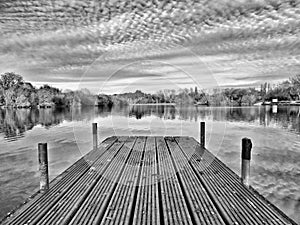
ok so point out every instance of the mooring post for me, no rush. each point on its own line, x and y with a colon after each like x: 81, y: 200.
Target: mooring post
x: 202, y: 134
x: 246, y: 157
x: 95, y: 136
x: 43, y: 167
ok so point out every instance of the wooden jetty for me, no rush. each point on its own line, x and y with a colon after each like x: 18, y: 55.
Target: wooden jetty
x: 148, y: 180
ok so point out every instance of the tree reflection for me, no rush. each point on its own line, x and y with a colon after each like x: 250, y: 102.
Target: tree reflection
x: 283, y: 117
x: 15, y: 122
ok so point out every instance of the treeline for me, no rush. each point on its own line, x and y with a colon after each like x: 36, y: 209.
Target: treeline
x: 287, y: 90
x: 16, y: 93
x: 216, y: 97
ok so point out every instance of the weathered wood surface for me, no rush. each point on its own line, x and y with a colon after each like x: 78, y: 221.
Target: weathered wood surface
x: 148, y: 180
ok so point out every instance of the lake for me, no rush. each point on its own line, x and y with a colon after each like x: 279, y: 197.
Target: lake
x: 275, y: 133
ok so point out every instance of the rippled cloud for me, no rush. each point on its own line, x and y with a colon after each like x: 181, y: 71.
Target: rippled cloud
x: 212, y: 42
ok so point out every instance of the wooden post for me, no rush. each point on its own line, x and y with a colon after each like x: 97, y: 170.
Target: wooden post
x: 246, y: 157
x: 95, y: 136
x: 43, y: 167
x: 202, y: 134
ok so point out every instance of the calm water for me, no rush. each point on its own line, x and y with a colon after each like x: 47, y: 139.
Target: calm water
x: 275, y: 168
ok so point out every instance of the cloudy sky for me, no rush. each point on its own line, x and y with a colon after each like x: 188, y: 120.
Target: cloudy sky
x: 117, y: 45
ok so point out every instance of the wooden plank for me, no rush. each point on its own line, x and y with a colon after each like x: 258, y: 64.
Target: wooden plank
x: 92, y: 209
x: 242, y: 205
x: 202, y: 209
x: 174, y: 208
x: 147, y: 203
x: 122, y: 203
x: 203, y: 163
x: 58, y: 213
x: 59, y: 186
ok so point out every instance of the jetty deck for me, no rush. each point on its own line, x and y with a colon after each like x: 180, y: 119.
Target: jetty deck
x: 148, y: 180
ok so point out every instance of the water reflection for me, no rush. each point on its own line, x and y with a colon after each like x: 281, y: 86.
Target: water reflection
x: 160, y: 111
x: 281, y: 117
x: 15, y: 123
